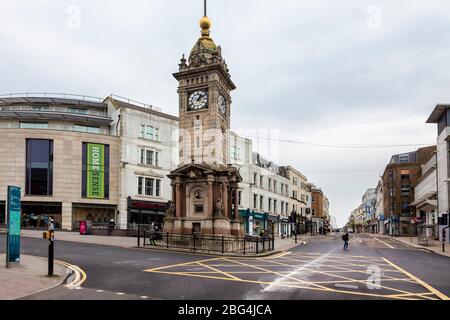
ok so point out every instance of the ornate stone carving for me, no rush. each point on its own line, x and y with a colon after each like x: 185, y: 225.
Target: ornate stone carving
x: 171, y: 209
x: 220, y: 211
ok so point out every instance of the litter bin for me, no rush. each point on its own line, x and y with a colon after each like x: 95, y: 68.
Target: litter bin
x: 83, y: 227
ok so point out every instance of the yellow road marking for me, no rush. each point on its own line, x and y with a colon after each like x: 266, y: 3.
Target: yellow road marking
x: 386, y: 244
x: 182, y: 264
x: 423, y: 283
x: 217, y: 271
x: 80, y: 275
x: 353, y: 280
x: 276, y: 256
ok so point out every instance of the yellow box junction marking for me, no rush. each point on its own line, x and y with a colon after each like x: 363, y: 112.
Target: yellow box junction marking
x: 286, y: 268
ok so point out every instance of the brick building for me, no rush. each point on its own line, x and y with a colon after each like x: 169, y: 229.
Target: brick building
x: 399, y: 177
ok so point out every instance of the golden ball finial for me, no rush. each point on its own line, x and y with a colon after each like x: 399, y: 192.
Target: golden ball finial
x: 205, y: 23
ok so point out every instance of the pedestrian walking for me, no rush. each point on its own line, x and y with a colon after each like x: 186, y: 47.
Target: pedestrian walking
x: 111, y: 226
x: 345, y: 238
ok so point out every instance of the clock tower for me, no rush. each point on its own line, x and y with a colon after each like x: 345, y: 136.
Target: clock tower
x: 204, y: 86
x: 205, y: 186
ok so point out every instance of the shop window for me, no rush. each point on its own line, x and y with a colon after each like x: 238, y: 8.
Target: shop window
x: 39, y: 167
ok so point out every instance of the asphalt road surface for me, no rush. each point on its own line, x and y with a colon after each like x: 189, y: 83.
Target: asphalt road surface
x: 375, y: 267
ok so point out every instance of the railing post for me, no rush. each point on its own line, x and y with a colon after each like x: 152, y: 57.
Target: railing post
x: 244, y: 244
x: 223, y: 244
x: 257, y: 242
x: 167, y: 240
x: 143, y: 244
x: 273, y: 243
x: 193, y: 238
x: 139, y: 236
x: 264, y: 244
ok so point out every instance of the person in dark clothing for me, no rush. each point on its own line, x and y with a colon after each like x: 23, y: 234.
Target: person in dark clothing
x: 345, y: 238
x: 111, y: 227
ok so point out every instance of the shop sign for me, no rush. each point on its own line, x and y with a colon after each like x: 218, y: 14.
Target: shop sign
x: 148, y: 205
x: 260, y: 216
x: 13, y: 220
x: 95, y: 171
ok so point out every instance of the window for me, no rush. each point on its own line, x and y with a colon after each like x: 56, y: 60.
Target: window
x: 261, y: 181
x: 282, y: 207
x: 255, y: 201
x: 158, y: 188
x: 39, y: 167
x: 149, y: 186
x: 313, y: 199
x: 405, y: 191
x: 149, y: 133
x: 255, y: 178
x: 405, y: 206
x: 157, y: 134
x: 275, y: 206
x: 198, y: 208
x: 270, y: 204
x: 240, y: 198
x: 140, y: 185
x: 157, y: 159
x: 405, y: 176
x: 40, y: 108
x: 261, y: 202
x: 149, y: 157
x: 270, y: 184
x: 143, y: 131
x: 33, y: 125
x: 78, y: 111
x: 307, y: 198
x: 86, y: 129
x: 391, y: 192
x: 275, y: 186
x: 403, y: 158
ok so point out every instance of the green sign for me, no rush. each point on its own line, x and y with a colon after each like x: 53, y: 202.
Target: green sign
x: 95, y: 171
x: 13, y: 228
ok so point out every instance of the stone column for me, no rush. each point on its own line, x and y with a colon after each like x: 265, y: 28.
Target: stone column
x: 210, y: 196
x: 225, y: 198
x: 67, y: 216
x: 178, y: 198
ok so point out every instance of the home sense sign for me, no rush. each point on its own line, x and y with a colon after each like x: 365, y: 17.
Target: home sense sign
x: 96, y: 171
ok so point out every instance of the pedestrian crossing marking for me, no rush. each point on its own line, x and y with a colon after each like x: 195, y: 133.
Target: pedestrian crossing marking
x: 329, y: 273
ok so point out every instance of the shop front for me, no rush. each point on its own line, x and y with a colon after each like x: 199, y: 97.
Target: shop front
x: 273, y: 222
x: 255, y: 222
x: 99, y: 215
x: 145, y: 213
x: 35, y: 215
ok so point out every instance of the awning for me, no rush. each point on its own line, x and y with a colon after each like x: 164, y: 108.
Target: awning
x: 427, y: 198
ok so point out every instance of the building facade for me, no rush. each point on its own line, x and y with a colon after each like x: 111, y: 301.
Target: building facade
x: 399, y: 177
x: 441, y: 117
x: 59, y: 150
x: 148, y: 153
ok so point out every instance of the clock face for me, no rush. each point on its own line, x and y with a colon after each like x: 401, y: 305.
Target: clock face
x: 198, y: 100
x: 222, y: 104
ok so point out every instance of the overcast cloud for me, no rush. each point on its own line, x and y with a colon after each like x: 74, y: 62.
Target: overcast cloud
x: 325, y: 72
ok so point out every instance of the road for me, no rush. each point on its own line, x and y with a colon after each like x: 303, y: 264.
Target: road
x: 375, y: 267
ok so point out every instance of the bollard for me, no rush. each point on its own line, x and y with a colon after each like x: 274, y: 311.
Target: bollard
x: 167, y: 240
x: 51, y: 250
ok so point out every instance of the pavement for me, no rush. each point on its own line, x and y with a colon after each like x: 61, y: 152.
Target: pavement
x: 433, y: 245
x: 375, y: 268
x: 124, y: 242
x: 27, y: 278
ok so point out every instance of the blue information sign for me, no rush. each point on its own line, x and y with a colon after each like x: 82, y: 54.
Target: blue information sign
x: 13, y: 227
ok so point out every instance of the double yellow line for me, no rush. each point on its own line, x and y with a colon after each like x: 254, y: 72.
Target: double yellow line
x: 80, y: 275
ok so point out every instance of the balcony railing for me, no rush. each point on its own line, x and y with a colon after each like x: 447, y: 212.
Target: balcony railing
x: 68, y: 96
x: 136, y: 103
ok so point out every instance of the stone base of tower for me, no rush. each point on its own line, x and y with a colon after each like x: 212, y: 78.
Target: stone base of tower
x: 215, y: 226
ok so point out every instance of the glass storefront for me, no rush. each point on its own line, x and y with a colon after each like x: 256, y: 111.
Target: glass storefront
x: 146, y: 213
x: 35, y: 215
x: 39, y: 167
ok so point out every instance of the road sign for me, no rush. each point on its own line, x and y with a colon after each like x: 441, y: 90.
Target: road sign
x: 13, y: 225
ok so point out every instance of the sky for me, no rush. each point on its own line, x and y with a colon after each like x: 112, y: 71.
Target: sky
x: 333, y: 74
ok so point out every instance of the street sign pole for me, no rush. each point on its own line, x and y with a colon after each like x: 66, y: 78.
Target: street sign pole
x: 7, y: 233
